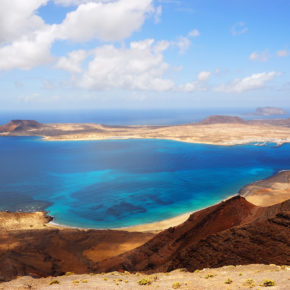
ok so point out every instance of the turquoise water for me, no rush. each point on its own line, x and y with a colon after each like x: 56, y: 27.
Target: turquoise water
x: 116, y: 183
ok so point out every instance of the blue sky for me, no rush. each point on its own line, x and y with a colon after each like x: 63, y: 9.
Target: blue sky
x: 78, y: 54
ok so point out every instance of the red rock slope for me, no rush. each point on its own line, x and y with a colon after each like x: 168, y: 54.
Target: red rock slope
x: 230, y: 233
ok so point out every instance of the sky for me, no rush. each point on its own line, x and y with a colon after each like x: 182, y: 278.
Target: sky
x: 144, y: 54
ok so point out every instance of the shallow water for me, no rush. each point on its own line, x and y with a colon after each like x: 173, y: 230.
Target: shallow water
x: 118, y: 183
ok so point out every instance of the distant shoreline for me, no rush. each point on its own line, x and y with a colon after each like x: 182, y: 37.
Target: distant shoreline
x: 214, y: 130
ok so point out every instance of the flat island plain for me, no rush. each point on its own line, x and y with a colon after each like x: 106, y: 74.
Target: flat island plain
x: 215, y: 130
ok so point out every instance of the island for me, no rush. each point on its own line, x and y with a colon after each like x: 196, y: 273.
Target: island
x: 215, y: 130
x: 269, y: 111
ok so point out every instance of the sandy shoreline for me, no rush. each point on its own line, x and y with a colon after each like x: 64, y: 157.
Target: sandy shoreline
x: 154, y: 227
x: 211, y: 131
x: 264, y: 192
x: 257, y: 142
x: 269, y: 191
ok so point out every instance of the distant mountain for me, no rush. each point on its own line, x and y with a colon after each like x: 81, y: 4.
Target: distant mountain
x: 221, y: 119
x: 20, y: 125
x: 269, y: 111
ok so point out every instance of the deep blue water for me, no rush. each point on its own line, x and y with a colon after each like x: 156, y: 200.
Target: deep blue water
x: 119, y: 183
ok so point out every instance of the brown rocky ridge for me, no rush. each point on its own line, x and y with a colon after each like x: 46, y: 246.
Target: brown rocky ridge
x: 234, y: 232
x: 220, y: 119
x: 20, y: 126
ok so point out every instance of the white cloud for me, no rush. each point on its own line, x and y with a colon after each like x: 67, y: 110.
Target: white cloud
x: 28, y: 51
x: 194, y: 33
x: 284, y: 52
x: 259, y: 56
x: 200, y: 84
x: 255, y: 81
x: 183, y: 44
x: 27, y: 39
x: 77, y: 2
x: 111, y: 21
x: 49, y: 85
x: 17, y: 17
x: 158, y: 13
x: 204, y: 75
x: 139, y: 67
x: 73, y: 62
x: 239, y: 28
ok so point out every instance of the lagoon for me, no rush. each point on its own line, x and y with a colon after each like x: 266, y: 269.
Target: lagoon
x: 119, y: 183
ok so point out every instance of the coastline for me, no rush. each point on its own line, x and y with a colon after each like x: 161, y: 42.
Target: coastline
x: 215, y: 130
x: 269, y: 191
x: 261, y: 193
x: 153, y: 227
x: 277, y: 142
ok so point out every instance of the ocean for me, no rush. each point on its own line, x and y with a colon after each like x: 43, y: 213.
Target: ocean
x: 118, y: 183
x: 128, y: 117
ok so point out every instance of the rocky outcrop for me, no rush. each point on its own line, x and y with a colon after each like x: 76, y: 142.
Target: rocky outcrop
x: 230, y: 233
x: 20, y: 125
x: 220, y: 119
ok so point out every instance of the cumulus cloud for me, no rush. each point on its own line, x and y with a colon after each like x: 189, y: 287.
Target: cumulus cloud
x: 284, y: 52
x: 17, y: 17
x: 28, y: 51
x: 255, y: 81
x: 239, y: 28
x: 111, y: 21
x: 76, y: 2
x: 72, y: 63
x: 183, y: 44
x: 194, y: 33
x: 27, y: 40
x: 139, y: 67
x: 259, y: 56
x: 204, y: 75
x: 200, y: 84
x: 158, y: 13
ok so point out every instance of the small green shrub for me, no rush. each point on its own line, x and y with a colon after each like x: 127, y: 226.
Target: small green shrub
x: 176, y: 285
x: 144, y: 282
x: 68, y: 273
x: 229, y: 281
x: 250, y: 283
x: 53, y: 282
x: 209, y: 275
x: 268, y: 283
x: 84, y: 281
